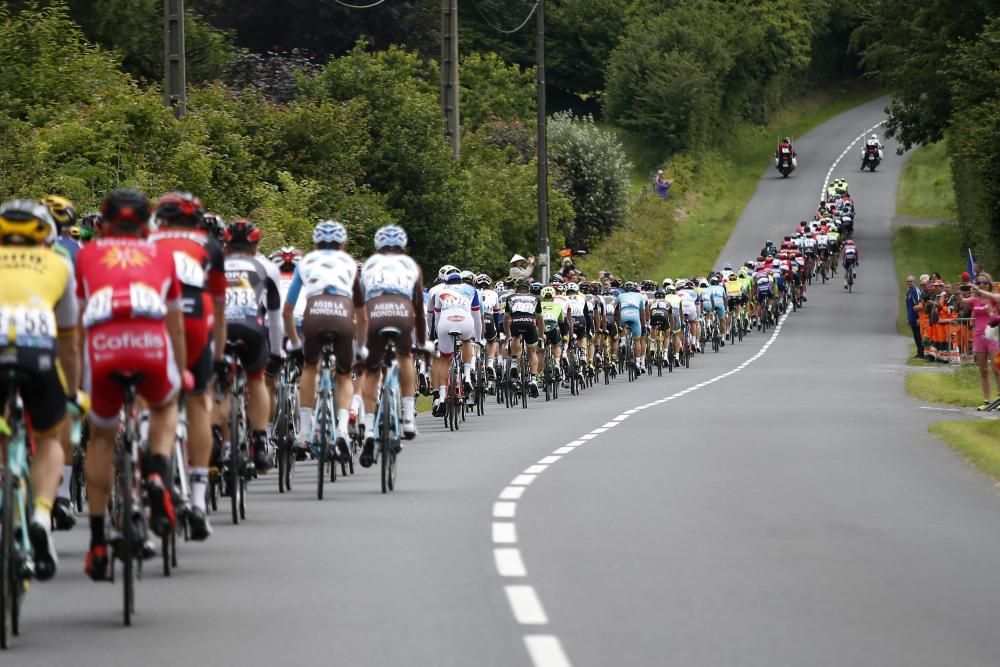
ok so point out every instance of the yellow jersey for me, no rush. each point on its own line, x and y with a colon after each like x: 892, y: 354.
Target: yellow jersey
x: 37, y: 296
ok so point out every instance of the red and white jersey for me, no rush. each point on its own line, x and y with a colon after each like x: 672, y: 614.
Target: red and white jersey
x: 121, y: 279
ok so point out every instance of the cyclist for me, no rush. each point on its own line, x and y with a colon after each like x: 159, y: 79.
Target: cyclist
x: 553, y: 324
x: 631, y: 312
x: 492, y: 322
x: 583, y: 320
x: 64, y: 214
x: 674, y: 301
x: 251, y: 297
x: 660, y: 317
x: 89, y: 225
x: 523, y: 322
x: 690, y: 309
x: 132, y: 316
x: 764, y: 288
x: 214, y: 226
x: 38, y: 310
x: 598, y: 324
x: 286, y: 260
x: 329, y: 278
x: 716, y: 299
x: 852, y: 259
x: 393, y: 289
x: 201, y: 269
x: 735, y: 297
x: 455, y: 307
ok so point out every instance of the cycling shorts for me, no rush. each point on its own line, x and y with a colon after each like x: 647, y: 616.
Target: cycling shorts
x: 454, y: 322
x: 40, y: 386
x: 388, y: 311
x: 631, y: 321
x: 329, y: 319
x: 735, y: 301
x: 130, y: 348
x: 553, y: 336
x: 489, y: 329
x: 526, y: 328
x: 612, y: 329
x: 249, y: 344
x: 659, y: 319
x: 580, y: 328
x: 763, y: 295
x: 690, y: 311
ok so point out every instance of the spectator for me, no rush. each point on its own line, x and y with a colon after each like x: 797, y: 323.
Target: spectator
x: 521, y: 267
x: 567, y: 266
x: 912, y: 299
x: 661, y: 184
x: 982, y: 303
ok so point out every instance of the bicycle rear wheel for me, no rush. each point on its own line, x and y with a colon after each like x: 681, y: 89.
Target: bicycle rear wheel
x: 8, y: 578
x: 126, y: 476
x: 322, y: 442
x: 233, y: 474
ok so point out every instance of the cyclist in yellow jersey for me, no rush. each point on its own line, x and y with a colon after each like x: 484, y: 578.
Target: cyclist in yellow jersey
x: 38, y: 317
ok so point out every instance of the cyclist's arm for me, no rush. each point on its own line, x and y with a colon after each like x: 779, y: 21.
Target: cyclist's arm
x: 477, y: 319
x: 419, y: 321
x: 272, y: 301
x: 175, y: 322
x: 506, y: 320
x: 287, y: 312
x: 217, y: 290
x: 67, y: 314
x: 360, y: 313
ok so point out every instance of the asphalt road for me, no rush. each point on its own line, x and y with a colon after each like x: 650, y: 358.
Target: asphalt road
x: 793, y: 512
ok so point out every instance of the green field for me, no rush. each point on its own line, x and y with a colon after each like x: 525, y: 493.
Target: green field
x: 927, y: 250
x: 684, y: 237
x: 959, y: 387
x: 925, y: 187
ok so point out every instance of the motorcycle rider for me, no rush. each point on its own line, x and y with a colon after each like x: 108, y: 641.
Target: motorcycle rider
x: 785, y: 143
x: 872, y: 141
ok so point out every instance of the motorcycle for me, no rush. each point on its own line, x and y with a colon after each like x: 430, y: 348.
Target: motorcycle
x: 785, y: 162
x: 871, y: 158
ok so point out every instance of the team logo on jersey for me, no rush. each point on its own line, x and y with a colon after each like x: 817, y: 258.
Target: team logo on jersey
x: 118, y: 257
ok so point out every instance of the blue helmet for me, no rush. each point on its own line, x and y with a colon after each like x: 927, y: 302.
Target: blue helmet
x: 330, y: 231
x: 390, y: 236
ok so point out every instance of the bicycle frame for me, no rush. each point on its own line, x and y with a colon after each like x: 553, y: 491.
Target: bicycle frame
x: 16, y: 552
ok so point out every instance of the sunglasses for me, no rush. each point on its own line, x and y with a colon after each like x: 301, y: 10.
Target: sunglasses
x: 981, y: 282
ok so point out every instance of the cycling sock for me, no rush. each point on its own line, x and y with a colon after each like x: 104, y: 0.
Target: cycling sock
x: 43, y: 513
x: 97, y: 534
x: 408, y: 405
x: 491, y: 362
x: 467, y: 370
x: 305, y: 424
x: 67, y: 475
x: 199, y: 484
x: 369, y: 425
x: 342, y: 422
x: 443, y: 391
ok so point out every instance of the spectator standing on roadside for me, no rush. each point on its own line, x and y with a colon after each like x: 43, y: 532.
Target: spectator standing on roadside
x: 982, y: 303
x: 521, y: 267
x: 661, y: 184
x: 913, y: 299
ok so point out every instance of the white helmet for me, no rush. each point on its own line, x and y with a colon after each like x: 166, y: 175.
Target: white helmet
x: 874, y: 136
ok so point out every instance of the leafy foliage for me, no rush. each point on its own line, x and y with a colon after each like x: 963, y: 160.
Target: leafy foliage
x: 593, y: 170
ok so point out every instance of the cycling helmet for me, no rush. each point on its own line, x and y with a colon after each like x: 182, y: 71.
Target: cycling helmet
x: 500, y: 286
x: 242, y: 232
x: 467, y: 276
x: 536, y: 288
x: 776, y: 263
x: 760, y: 258
x: 522, y: 284
x: 286, y: 256
x: 125, y: 209
x: 596, y: 287
x: 667, y: 282
x: 26, y: 220
x: 631, y: 287
x: 659, y: 293
x: 615, y: 282
x: 180, y: 207
x: 330, y: 231
x: 548, y: 293
x: 483, y: 280
x: 61, y: 210
x: 89, y: 225
x: 669, y: 289
x: 849, y: 242
x: 647, y: 285
x: 727, y: 267
x: 390, y: 236
x: 572, y: 288
x: 585, y: 288
x: 453, y: 277
x: 445, y: 270
x: 714, y: 279
x: 214, y: 225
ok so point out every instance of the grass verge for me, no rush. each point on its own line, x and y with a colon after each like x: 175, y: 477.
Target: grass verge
x: 685, y: 235
x: 977, y: 441
x: 959, y: 387
x: 925, y: 187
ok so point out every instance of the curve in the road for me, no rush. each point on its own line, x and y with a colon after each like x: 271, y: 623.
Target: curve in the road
x: 546, y: 650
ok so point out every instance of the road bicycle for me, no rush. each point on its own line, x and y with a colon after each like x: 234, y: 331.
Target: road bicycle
x: 454, y: 399
x: 286, y: 427
x: 550, y: 373
x: 234, y: 466
x: 16, y: 559
x: 178, y: 480
x: 387, y: 414
x: 324, y: 437
x: 851, y: 276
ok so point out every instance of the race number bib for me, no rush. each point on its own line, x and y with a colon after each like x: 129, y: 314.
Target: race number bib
x: 27, y: 327
x: 99, y: 307
x: 241, y: 303
x: 189, y: 272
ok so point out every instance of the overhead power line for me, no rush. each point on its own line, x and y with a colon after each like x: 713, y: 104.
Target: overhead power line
x: 350, y: 6
x: 498, y: 28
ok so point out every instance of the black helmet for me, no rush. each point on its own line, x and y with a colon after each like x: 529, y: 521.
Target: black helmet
x: 242, y: 232
x: 536, y: 288
x: 125, y: 209
x: 631, y: 287
x: 522, y: 284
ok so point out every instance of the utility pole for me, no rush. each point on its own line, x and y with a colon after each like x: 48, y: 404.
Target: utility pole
x: 542, y: 145
x: 449, y: 73
x: 175, y: 86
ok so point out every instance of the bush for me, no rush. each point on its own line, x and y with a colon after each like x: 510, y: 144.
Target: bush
x: 592, y: 169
